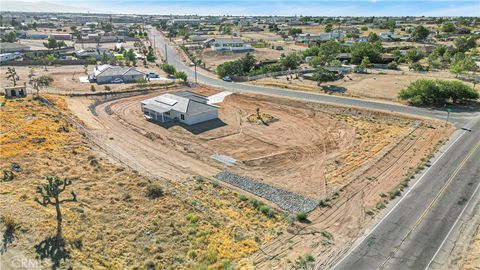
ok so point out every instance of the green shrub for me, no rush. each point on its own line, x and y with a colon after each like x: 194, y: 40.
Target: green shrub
x: 154, y: 191
x: 198, y: 178
x: 304, y: 262
x: 380, y: 205
x: 215, y: 183
x: 393, y: 194
x: 243, y: 198
x: 437, y: 92
x: 192, y: 218
x: 210, y: 257
x: 301, y: 216
x: 256, y: 203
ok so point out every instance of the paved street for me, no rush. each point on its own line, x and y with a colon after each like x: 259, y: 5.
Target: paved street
x: 414, y: 230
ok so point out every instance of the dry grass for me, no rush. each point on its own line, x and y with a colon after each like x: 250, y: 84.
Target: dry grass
x: 472, y: 258
x: 115, y: 225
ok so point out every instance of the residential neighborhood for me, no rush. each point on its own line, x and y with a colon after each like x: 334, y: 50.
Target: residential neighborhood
x: 338, y: 135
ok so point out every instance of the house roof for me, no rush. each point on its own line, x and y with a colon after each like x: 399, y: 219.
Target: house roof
x: 224, y: 40
x: 182, y: 101
x: 106, y: 70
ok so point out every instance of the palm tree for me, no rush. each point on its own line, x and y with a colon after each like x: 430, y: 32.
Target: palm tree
x: 12, y: 75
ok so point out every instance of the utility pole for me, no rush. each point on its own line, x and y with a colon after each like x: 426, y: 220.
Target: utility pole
x: 195, y: 73
x: 448, y: 115
x: 166, y: 54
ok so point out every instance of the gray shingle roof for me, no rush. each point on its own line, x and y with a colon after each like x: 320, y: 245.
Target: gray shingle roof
x: 182, y: 101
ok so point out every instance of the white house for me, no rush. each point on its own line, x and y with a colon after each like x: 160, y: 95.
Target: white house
x: 183, y: 106
x: 115, y: 74
x: 227, y: 44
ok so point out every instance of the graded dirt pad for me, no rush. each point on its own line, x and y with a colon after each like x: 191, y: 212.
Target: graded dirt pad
x: 114, y: 225
x: 348, y: 157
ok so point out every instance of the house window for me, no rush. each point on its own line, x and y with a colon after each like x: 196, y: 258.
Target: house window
x: 182, y: 117
x: 167, y: 113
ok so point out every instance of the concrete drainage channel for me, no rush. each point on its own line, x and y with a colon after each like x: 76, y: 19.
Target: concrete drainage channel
x: 286, y: 200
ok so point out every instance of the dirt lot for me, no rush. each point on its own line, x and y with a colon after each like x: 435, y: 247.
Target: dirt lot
x: 66, y: 78
x: 114, y: 225
x: 345, y: 156
x: 379, y: 86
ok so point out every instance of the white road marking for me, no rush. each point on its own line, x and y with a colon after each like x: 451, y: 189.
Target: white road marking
x: 395, y: 206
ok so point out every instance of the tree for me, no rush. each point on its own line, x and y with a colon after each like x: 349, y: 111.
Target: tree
x: 294, y: 31
x: 414, y: 55
x: 12, y: 75
x: 41, y: 82
x: 463, y: 44
x: 9, y: 37
x: 129, y: 55
x: 420, y: 33
x: 461, y: 63
x: 328, y: 28
x: 50, y: 195
x: 290, y: 61
x: 448, y: 27
x: 437, y: 92
x: 51, y: 43
x: 373, y: 37
x: 323, y: 75
x: 362, y: 49
x: 169, y: 69
x: 366, y: 62
x: 181, y: 75
x: 150, y: 54
x: 416, y: 66
x: 392, y: 65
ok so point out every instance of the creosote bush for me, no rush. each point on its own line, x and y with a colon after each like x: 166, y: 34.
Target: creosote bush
x: 301, y: 216
x: 154, y: 191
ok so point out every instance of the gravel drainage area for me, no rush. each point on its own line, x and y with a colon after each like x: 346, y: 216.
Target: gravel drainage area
x: 286, y: 200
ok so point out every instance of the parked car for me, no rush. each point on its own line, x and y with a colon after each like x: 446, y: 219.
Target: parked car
x: 152, y: 75
x: 117, y: 80
x: 227, y: 79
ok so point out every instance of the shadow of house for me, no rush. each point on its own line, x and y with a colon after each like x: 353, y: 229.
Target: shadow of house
x: 194, y: 129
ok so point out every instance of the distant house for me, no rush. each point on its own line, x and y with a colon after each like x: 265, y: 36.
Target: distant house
x: 308, y: 38
x: 36, y: 36
x: 183, y: 106
x: 227, y: 44
x: 9, y: 47
x: 61, y: 36
x: 5, y: 57
x: 108, y: 74
x: 96, y: 53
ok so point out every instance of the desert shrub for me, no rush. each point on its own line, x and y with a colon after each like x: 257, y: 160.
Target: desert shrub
x: 327, y: 235
x: 10, y: 224
x: 437, y: 92
x: 192, y: 218
x: 256, y: 203
x: 269, y: 212
x: 301, y: 216
x: 107, y: 88
x: 243, y: 198
x: 393, y: 194
x: 154, y: 191
x: 198, y: 178
x: 192, y: 254
x: 215, y: 183
x: 392, y: 65
x: 369, y: 212
x: 92, y: 88
x: 304, y: 262
x: 210, y: 257
x: 380, y: 205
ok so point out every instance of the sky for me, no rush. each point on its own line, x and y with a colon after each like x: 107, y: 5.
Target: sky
x: 272, y: 7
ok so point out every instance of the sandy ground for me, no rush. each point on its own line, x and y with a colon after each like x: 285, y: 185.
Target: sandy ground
x: 37, y: 44
x: 379, y: 86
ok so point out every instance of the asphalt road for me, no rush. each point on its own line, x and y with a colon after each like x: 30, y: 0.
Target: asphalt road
x: 416, y: 226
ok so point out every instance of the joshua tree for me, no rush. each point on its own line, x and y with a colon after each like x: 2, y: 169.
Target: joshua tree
x: 12, y: 75
x: 49, y: 195
x: 41, y: 82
